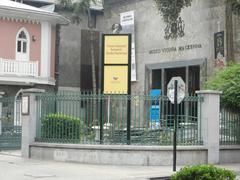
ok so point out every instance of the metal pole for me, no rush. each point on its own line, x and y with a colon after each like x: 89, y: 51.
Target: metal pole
x: 129, y: 91
x: 102, y: 85
x: 108, y: 119
x: 175, y: 127
x: 101, y: 120
x: 128, y: 122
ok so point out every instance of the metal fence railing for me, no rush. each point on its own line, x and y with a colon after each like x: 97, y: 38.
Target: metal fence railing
x: 76, y: 117
x: 229, y: 127
x: 10, y: 123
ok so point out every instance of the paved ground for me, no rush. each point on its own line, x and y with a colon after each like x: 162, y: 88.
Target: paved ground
x: 13, y: 167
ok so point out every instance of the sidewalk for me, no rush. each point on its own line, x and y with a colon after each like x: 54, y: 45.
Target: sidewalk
x: 13, y: 167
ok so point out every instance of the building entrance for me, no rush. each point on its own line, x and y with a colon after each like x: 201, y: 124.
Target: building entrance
x: 190, y: 75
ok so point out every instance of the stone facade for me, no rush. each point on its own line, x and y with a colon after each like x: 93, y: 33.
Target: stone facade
x: 202, y: 20
x: 154, y: 54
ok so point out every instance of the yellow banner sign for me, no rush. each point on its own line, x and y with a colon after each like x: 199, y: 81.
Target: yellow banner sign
x: 115, y: 80
x: 116, y: 49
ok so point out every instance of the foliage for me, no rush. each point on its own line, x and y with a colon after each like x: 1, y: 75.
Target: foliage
x: 235, y: 6
x: 227, y: 81
x: 60, y: 126
x: 203, y: 172
x: 77, y: 8
x: 170, y: 11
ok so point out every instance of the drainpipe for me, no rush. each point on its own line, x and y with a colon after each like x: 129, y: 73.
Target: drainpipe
x: 57, y: 46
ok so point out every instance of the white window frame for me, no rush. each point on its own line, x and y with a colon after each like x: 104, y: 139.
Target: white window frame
x: 27, y: 41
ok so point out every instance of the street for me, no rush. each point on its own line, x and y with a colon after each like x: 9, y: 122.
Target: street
x: 13, y: 167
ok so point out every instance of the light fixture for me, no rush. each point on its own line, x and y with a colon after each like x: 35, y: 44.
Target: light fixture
x: 34, y: 38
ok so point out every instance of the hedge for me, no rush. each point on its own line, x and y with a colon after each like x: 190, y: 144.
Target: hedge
x: 203, y: 172
x: 60, y: 126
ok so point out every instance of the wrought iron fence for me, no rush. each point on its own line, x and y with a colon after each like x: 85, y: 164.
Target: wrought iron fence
x: 229, y: 127
x: 76, y: 117
x: 10, y: 123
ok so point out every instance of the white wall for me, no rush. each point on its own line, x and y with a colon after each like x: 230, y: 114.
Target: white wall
x: 45, y: 49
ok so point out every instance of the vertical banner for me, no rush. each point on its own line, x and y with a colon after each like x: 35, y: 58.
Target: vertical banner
x: 116, y: 64
x: 127, y: 23
x: 219, y: 45
x: 220, y: 61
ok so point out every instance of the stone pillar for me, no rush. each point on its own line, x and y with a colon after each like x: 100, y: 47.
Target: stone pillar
x: 29, y: 121
x: 1, y: 110
x: 209, y: 117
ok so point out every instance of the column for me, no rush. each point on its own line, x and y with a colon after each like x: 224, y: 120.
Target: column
x: 29, y: 121
x: 45, y: 49
x: 209, y: 117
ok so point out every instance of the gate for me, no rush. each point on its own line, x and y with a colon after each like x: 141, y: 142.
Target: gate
x: 10, y: 123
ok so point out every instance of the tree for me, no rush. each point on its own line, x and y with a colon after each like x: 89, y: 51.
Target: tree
x: 235, y: 6
x: 170, y: 11
x: 227, y: 81
x: 78, y: 8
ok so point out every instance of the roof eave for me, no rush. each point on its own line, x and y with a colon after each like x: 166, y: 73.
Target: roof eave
x: 33, y: 15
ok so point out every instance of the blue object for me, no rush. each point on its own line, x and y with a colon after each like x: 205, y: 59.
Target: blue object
x: 155, y: 106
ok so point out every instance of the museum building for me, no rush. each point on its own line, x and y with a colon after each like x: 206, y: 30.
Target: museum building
x: 194, y: 46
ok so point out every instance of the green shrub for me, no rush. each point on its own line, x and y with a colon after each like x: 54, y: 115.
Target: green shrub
x: 203, y: 172
x: 60, y: 126
x: 227, y: 81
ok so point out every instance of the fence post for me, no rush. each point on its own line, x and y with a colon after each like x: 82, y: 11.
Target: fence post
x: 1, y: 95
x: 29, y: 121
x: 210, y: 115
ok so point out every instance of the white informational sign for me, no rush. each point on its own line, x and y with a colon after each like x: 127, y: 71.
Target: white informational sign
x: 25, y: 105
x: 127, y: 23
x: 180, y: 89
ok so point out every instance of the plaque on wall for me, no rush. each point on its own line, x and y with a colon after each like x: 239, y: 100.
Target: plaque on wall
x: 25, y: 105
x: 219, y: 45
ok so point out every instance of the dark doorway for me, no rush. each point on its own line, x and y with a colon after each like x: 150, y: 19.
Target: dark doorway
x: 156, y: 79
x: 190, y: 75
x: 194, y: 79
x: 173, y: 72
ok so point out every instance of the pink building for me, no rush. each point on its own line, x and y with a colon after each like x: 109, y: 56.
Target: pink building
x: 27, y: 46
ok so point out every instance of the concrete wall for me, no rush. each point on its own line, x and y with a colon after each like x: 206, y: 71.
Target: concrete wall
x: 118, y: 155
x: 230, y: 154
x: 129, y: 155
x: 236, y: 39
x: 70, y: 53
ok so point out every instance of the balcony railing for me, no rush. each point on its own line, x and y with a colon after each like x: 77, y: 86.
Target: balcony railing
x: 19, y: 68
